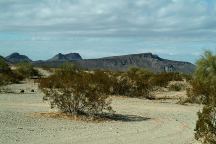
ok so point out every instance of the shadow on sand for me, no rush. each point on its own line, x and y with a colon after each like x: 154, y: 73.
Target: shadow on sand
x: 124, y: 118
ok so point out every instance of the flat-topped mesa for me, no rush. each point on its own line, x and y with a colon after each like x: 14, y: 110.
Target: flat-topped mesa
x: 66, y: 57
x: 143, y: 60
x: 121, y: 63
x: 17, y: 58
x: 141, y: 55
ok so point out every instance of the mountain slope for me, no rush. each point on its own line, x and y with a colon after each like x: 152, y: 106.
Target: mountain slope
x: 17, y: 58
x: 145, y: 60
x: 122, y: 63
x: 66, y: 57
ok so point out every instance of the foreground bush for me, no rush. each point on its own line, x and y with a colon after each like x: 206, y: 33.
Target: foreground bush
x: 204, y: 86
x: 7, y: 76
x: 26, y: 70
x: 77, y: 92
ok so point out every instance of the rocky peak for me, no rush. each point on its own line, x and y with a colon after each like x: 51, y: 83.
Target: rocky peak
x: 66, y: 57
x: 16, y: 58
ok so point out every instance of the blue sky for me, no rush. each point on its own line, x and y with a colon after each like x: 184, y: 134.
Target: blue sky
x: 173, y: 29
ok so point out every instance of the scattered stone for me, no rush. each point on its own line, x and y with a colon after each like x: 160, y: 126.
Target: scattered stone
x: 22, y: 91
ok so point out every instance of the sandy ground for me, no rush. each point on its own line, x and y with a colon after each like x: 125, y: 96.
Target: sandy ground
x: 145, y: 122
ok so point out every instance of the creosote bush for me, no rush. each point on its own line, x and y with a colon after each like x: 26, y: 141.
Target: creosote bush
x: 26, y: 70
x: 163, y: 79
x: 204, y: 91
x: 77, y: 92
x: 177, y: 86
x: 7, y: 76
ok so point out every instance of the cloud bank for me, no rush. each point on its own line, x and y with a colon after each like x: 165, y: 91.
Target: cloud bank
x: 150, y: 18
x: 177, y: 29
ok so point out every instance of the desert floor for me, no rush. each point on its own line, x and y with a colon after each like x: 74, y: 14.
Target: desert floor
x: 142, y: 122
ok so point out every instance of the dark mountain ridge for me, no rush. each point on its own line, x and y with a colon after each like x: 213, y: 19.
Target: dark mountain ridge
x: 66, y: 57
x: 124, y: 62
x: 17, y: 58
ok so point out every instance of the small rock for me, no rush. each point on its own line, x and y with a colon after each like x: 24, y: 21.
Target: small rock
x: 22, y: 91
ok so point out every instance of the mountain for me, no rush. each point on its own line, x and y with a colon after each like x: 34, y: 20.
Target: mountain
x: 123, y: 63
x: 66, y: 57
x: 17, y: 58
x: 144, y: 60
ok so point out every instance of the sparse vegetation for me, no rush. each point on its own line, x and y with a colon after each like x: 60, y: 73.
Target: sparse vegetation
x: 133, y: 83
x: 177, y: 86
x: 203, y: 90
x: 77, y: 92
x: 6, y: 74
x: 22, y: 71
x: 163, y: 79
x: 26, y: 70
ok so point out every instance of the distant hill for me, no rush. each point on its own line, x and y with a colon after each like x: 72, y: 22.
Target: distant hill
x: 123, y: 63
x: 17, y: 58
x: 66, y: 57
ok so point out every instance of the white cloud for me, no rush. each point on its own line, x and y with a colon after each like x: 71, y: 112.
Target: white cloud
x: 114, y: 17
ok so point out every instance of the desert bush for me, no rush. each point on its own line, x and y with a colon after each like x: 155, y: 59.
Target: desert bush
x: 120, y: 84
x: 7, y: 76
x: 177, y: 86
x: 133, y: 83
x: 197, y: 92
x: 163, y: 79
x: 140, y: 82
x: 26, y: 70
x: 187, y: 77
x: 206, y: 125
x: 204, y: 85
x: 77, y: 92
x: 4, y: 67
x: 137, y: 82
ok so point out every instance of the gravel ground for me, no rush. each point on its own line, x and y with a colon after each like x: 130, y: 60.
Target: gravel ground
x: 149, y: 122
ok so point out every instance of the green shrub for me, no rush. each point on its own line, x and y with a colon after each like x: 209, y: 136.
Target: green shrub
x: 7, y: 76
x: 133, y: 83
x: 77, y: 92
x: 204, y: 85
x: 4, y: 67
x: 163, y: 79
x: 26, y: 70
x: 206, y: 125
x: 176, y: 86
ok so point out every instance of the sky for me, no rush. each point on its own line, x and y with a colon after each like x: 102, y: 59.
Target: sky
x: 173, y: 29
